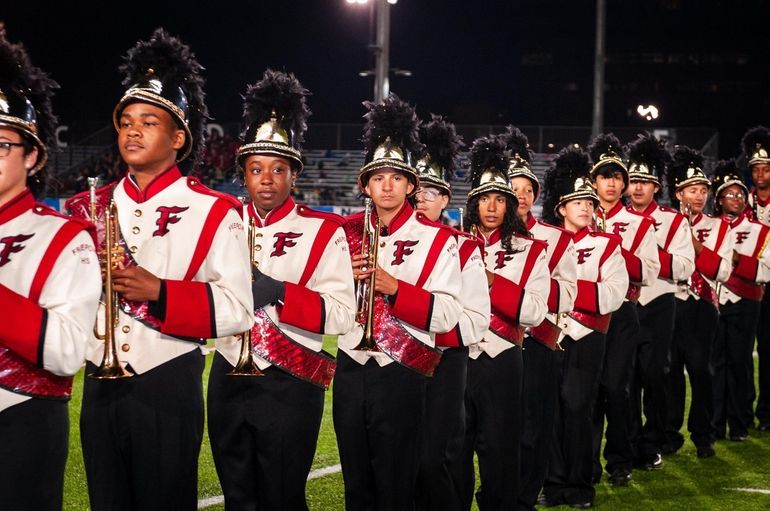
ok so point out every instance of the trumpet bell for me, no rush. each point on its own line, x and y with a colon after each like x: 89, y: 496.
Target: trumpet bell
x: 111, y: 372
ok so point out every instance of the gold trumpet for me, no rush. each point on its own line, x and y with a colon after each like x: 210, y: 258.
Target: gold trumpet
x: 686, y: 209
x: 365, y: 288
x: 462, y: 220
x: 110, y: 258
x: 246, y: 365
x: 599, y: 223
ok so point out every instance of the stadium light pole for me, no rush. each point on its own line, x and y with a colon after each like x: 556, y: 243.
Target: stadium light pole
x: 380, y: 48
x: 597, y: 126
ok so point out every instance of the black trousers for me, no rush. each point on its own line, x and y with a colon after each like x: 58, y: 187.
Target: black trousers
x: 695, y: 329
x: 538, y: 396
x: 614, y: 392
x: 141, y: 437
x: 33, y: 452
x: 733, y: 363
x: 492, y: 431
x: 437, y: 489
x: 648, y: 387
x: 570, y: 462
x: 263, y: 433
x: 763, y: 351
x: 378, y: 417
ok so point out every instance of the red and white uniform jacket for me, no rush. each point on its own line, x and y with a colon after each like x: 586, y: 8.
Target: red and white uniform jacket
x: 760, y: 209
x: 563, y: 267
x: 193, y: 239
x: 519, y: 293
x: 308, y: 251
x: 639, y: 248
x: 474, y: 296
x: 750, y: 240
x: 713, y: 264
x: 675, y: 252
x: 602, y: 283
x: 415, y: 250
x: 50, y: 284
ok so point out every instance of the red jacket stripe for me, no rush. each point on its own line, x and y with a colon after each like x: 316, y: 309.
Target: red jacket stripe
x: 673, y: 230
x: 60, y: 240
x: 210, y: 227
x: 435, y: 250
x: 325, y: 233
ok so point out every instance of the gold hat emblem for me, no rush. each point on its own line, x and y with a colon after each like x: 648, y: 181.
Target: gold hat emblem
x: 388, y: 151
x: 271, y: 131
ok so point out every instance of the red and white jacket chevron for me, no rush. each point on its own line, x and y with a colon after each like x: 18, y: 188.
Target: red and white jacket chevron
x: 602, y: 283
x: 519, y: 293
x: 639, y: 248
x: 422, y: 255
x: 713, y: 264
x: 50, y: 284
x: 675, y: 252
x: 750, y: 240
x: 193, y: 239
x: 308, y: 251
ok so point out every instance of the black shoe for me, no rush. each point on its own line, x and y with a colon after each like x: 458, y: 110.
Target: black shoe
x: 582, y: 505
x: 654, y: 463
x: 544, y: 501
x: 706, y: 451
x: 620, y: 477
x: 738, y: 437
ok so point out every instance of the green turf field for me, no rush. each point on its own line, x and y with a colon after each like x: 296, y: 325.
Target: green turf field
x: 685, y: 482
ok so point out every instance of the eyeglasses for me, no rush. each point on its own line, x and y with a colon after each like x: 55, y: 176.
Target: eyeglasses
x: 428, y: 194
x: 5, y: 148
x: 737, y: 196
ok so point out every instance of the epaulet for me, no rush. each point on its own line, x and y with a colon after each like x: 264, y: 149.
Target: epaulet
x: 359, y: 215
x: 669, y: 210
x: 614, y: 237
x: 631, y: 210
x: 307, y: 212
x: 86, y: 195
x: 45, y: 210
x: 195, y: 185
x: 424, y: 220
x: 562, y: 230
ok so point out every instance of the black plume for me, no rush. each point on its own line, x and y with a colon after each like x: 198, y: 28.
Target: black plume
x: 604, y: 143
x: 570, y: 164
x: 516, y: 142
x: 170, y: 59
x: 758, y: 135
x: 651, y: 151
x: 683, y: 158
x: 17, y: 71
x: 442, y: 143
x: 486, y: 152
x: 283, y: 93
x: 392, y: 118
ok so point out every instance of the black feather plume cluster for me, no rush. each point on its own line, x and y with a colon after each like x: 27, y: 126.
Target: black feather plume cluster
x: 570, y: 164
x: 17, y: 72
x: 756, y: 136
x: 170, y: 60
x: 605, y: 143
x: 486, y: 152
x: 516, y: 142
x: 392, y: 118
x: 683, y: 158
x: 724, y: 169
x: 442, y: 143
x: 280, y: 92
x: 652, y: 152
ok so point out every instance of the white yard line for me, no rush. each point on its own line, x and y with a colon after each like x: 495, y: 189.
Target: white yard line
x: 751, y: 490
x: 314, y: 474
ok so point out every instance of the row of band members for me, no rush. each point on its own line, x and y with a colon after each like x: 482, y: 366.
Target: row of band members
x: 516, y: 341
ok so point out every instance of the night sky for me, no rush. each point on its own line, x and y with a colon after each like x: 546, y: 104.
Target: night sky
x: 472, y: 61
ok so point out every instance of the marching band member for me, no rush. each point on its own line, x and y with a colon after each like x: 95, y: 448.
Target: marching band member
x: 264, y: 430
x: 756, y: 150
x: 640, y: 251
x: 378, y: 404
x: 602, y: 283
x: 647, y: 164
x: 49, y: 291
x: 184, y: 278
x: 541, y: 372
x: 519, y: 283
x: 697, y: 317
x: 445, y: 392
x: 739, y: 301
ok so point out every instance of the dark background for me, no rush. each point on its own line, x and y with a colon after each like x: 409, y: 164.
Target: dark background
x: 530, y: 62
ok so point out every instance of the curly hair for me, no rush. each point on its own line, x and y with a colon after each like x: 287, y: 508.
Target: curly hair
x: 512, y: 224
